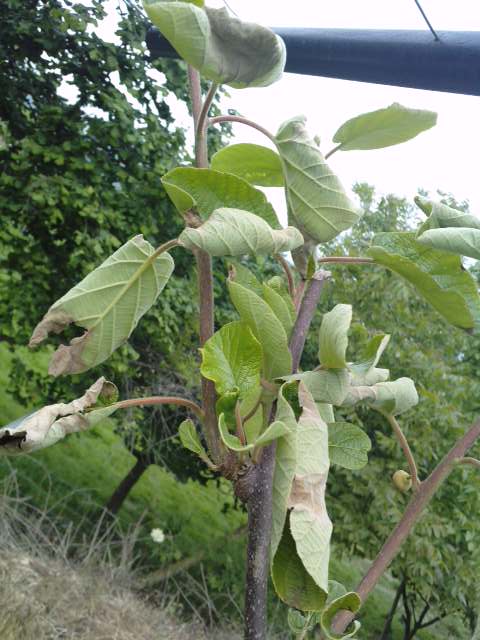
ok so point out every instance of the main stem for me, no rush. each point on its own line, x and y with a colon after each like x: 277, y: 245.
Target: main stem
x: 416, y: 506
x: 260, y: 501
x: 205, y: 277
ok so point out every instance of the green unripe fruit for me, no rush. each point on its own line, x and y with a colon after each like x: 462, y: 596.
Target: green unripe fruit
x: 402, y: 481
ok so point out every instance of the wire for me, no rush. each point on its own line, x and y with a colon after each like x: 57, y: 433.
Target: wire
x: 435, y: 34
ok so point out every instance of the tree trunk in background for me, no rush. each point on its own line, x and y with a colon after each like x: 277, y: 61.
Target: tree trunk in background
x: 126, y: 485
x: 387, y: 629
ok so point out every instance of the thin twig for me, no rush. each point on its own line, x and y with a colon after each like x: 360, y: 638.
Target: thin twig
x: 153, y: 400
x: 346, y: 260
x: 288, y: 273
x: 332, y: 151
x: 473, y: 461
x: 420, y: 8
x: 163, y: 248
x: 239, y: 424
x: 405, y: 448
x: 241, y: 120
x: 202, y: 118
x: 414, y: 510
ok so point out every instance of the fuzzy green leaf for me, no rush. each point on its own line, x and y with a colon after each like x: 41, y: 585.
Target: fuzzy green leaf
x: 190, y: 440
x: 232, y: 358
x: 280, y: 307
x: 329, y: 387
x: 383, y: 128
x: 233, y: 232
x: 206, y: 190
x: 348, y: 445
x: 449, y: 229
x: 333, y: 337
x: 371, y: 354
x: 438, y: 276
x: 393, y: 397
x: 223, y: 48
x: 108, y: 303
x: 317, y: 202
x: 348, y: 602
x: 254, y: 163
x: 274, y: 431
x: 52, y: 423
x: 266, y: 327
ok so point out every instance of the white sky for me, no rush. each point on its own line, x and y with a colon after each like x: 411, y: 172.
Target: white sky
x: 444, y: 157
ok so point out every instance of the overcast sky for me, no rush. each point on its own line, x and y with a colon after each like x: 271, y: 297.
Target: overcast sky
x: 446, y: 157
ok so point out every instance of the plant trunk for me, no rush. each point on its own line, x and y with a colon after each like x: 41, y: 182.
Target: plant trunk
x: 387, y: 629
x: 126, y: 485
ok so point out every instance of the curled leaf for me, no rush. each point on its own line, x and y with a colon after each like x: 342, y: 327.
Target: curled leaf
x: 254, y: 163
x: 348, y: 602
x: 317, y: 202
x: 108, y: 303
x: 206, y: 190
x: 333, y: 337
x: 330, y: 386
x: 274, y: 431
x: 223, y: 48
x: 384, y: 127
x: 52, y: 423
x: 449, y: 229
x: 392, y: 398
x: 233, y: 232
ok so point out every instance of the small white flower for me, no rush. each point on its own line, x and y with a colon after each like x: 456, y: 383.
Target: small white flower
x: 157, y: 536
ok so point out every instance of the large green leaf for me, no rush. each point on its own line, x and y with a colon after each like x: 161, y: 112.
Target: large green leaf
x: 383, y: 128
x: 317, y: 202
x: 449, y: 229
x: 252, y: 162
x: 293, y: 583
x: 223, y: 48
x: 329, y: 387
x: 232, y: 358
x: 274, y: 431
x: 266, y: 327
x: 52, y: 423
x: 108, y: 303
x: 348, y: 602
x: 206, y: 190
x: 333, y: 337
x: 438, y: 276
x: 309, y: 522
x: 233, y: 232
x: 280, y: 307
x: 348, y: 445
x: 394, y: 397
x: 285, y: 463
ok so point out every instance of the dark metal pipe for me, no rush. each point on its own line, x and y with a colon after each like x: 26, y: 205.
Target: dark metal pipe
x: 399, y: 58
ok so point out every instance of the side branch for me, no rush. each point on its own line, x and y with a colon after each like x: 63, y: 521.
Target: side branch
x: 472, y: 461
x: 405, y: 448
x: 153, y: 400
x: 245, y: 121
x: 346, y: 260
x: 414, y: 510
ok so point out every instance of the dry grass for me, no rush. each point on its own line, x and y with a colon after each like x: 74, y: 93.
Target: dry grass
x: 44, y: 595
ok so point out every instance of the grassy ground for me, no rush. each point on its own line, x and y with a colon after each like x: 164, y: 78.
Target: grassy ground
x: 73, y: 479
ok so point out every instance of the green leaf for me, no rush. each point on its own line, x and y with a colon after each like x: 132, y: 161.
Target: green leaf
x: 309, y: 522
x: 371, y: 354
x: 384, y: 127
x: 266, y: 327
x: 242, y: 275
x: 206, y: 190
x: 393, y: 397
x: 437, y: 276
x: 279, y: 305
x: 233, y: 232
x: 223, y: 48
x: 285, y: 463
x: 349, y: 602
x: 52, y: 423
x: 108, y: 303
x: 333, y: 338
x: 190, y: 440
x: 232, y: 358
x: 254, y: 163
x: 297, y: 622
x: 317, y: 202
x: 293, y: 584
x: 348, y: 445
x: 329, y: 387
x: 449, y: 229
x: 274, y: 431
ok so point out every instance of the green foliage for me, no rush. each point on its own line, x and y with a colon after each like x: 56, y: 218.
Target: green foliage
x: 348, y: 445
x: 223, y: 48
x: 317, y: 202
x: 333, y: 338
x: 383, y: 128
x: 252, y: 162
x: 190, y: 440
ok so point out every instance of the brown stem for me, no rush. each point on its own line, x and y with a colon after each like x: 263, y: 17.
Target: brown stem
x: 260, y: 501
x: 205, y: 281
x: 153, y: 400
x: 473, y: 461
x: 405, y: 448
x: 239, y: 424
x: 305, y: 316
x: 202, y: 118
x: 241, y: 120
x: 166, y: 246
x: 288, y: 273
x: 414, y: 510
